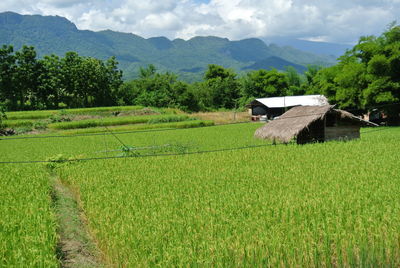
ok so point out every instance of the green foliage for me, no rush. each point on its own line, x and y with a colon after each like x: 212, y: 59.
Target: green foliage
x: 58, y: 161
x: 157, y: 90
x: 2, y: 115
x: 366, y: 76
x: 220, y: 89
x: 76, y: 81
x: 263, y: 83
x: 61, y: 116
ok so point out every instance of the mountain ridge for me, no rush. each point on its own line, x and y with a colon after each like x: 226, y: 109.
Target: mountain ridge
x: 188, y: 58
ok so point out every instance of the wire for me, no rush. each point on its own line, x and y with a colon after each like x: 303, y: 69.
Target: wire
x: 163, y: 155
x: 140, y: 156
x: 117, y: 133
x: 154, y: 130
x: 115, y: 136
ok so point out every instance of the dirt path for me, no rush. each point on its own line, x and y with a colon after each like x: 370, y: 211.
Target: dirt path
x: 75, y: 247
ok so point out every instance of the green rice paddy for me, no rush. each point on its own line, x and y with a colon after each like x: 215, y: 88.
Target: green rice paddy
x: 327, y: 204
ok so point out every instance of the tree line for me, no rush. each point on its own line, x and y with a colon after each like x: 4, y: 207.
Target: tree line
x: 52, y: 82
x: 27, y: 82
x: 364, y: 77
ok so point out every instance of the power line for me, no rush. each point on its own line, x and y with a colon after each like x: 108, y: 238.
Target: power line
x: 140, y: 156
x: 162, y: 155
x: 159, y: 130
x: 117, y: 133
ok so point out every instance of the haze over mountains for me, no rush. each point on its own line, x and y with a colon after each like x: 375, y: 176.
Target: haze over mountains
x: 189, y: 59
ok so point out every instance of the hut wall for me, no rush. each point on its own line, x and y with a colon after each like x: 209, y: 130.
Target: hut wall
x: 342, y: 132
x: 314, y: 133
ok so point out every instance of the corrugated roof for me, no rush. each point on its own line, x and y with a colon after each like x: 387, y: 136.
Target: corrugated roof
x: 290, y: 101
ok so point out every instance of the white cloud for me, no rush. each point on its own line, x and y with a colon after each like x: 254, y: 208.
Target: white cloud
x: 334, y: 20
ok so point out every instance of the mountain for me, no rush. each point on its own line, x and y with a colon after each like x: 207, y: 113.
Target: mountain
x: 189, y: 59
x: 274, y: 62
x: 319, y: 48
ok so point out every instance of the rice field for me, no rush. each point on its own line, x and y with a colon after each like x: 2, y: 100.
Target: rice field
x: 27, y: 224
x: 329, y: 204
x: 115, y: 121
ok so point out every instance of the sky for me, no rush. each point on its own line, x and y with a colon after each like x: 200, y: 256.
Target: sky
x: 337, y: 21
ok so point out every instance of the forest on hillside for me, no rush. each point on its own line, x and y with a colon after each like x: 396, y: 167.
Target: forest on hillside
x: 366, y: 76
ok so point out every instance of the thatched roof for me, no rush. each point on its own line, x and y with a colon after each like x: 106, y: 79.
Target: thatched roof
x: 291, y: 123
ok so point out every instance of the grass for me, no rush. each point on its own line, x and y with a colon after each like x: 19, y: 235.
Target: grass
x: 115, y: 121
x: 329, y: 204
x: 173, y: 125
x: 280, y: 205
x: 47, y: 113
x: 18, y: 123
x: 27, y: 223
x: 223, y: 117
x: 75, y: 246
x: 93, y: 111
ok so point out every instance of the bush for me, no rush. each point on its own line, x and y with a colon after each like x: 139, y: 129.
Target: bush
x: 61, y: 116
x: 2, y: 115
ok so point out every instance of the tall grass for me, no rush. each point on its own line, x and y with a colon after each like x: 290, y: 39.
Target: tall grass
x: 115, y: 121
x: 18, y: 123
x: 27, y: 224
x: 47, y: 113
x: 179, y: 125
x: 332, y: 204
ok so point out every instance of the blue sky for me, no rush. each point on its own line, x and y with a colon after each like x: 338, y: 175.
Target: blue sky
x: 340, y: 21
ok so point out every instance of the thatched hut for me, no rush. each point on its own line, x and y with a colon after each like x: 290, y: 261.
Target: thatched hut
x: 313, y: 124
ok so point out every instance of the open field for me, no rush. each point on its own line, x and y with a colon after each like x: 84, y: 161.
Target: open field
x: 327, y: 204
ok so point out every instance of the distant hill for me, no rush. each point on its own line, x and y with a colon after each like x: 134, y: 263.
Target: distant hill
x: 319, y: 48
x: 189, y: 59
x: 274, y: 62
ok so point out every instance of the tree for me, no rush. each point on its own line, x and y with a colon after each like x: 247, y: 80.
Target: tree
x: 221, y: 88
x: 26, y: 76
x: 71, y: 79
x: 51, y: 87
x: 153, y: 88
x: 366, y: 76
x: 2, y: 115
x: 7, y: 77
x: 263, y: 84
x: 294, y: 82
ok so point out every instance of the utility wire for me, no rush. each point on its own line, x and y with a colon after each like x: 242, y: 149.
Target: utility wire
x: 157, y: 130
x: 163, y: 155
x: 115, y: 136
x: 141, y: 156
x: 118, y: 132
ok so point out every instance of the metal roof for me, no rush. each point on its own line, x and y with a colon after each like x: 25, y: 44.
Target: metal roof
x: 290, y: 101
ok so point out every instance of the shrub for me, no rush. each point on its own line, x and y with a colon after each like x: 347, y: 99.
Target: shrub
x: 2, y: 115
